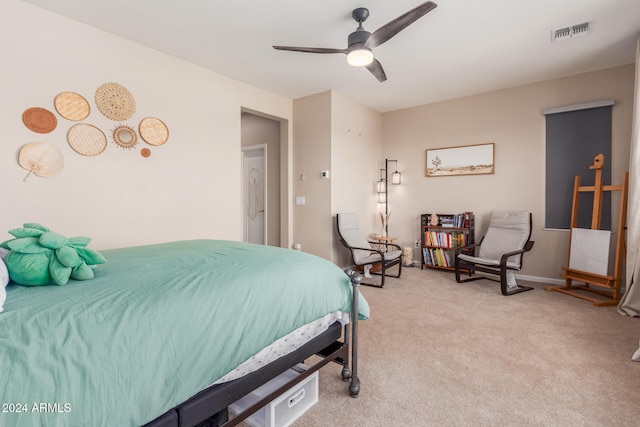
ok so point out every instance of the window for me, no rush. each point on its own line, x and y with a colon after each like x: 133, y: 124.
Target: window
x: 574, y: 136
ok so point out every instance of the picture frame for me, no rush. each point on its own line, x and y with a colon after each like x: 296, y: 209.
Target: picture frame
x: 478, y: 159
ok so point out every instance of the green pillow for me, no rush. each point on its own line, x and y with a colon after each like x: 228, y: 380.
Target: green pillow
x: 38, y: 256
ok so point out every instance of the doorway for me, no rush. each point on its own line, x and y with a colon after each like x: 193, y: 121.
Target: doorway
x: 254, y: 194
x: 264, y: 137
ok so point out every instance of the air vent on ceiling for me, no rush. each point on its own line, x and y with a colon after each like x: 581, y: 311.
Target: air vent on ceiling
x: 569, y: 32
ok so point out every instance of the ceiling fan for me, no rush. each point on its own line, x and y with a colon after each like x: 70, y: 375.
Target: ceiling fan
x: 361, y: 42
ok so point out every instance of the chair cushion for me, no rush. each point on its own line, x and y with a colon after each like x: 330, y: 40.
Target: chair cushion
x: 375, y: 257
x: 508, y: 231
x: 348, y: 227
x: 488, y: 262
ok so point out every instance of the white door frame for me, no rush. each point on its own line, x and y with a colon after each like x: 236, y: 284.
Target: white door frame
x: 260, y: 148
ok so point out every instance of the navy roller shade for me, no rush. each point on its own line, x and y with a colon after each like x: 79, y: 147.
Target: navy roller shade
x: 573, y: 138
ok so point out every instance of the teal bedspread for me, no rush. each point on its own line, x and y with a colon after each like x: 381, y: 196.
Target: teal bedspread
x: 157, y: 324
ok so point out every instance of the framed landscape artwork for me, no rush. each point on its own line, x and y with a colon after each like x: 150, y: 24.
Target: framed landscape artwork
x: 465, y: 160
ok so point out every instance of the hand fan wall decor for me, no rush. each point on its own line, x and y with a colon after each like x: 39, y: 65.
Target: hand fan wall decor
x: 42, y: 158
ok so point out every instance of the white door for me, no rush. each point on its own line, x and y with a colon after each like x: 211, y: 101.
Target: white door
x: 254, y: 194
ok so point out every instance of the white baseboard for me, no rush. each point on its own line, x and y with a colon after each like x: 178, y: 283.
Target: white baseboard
x: 538, y: 279
x: 526, y: 277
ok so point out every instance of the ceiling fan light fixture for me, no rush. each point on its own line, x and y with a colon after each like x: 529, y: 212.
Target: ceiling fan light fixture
x: 360, y: 42
x: 360, y: 57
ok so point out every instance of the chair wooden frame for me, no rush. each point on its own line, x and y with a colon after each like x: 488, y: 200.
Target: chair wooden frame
x: 381, y: 249
x: 500, y: 270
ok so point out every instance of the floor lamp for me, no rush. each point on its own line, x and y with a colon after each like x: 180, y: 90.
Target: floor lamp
x: 382, y: 189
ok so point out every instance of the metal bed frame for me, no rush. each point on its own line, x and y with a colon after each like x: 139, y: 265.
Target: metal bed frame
x: 338, y: 344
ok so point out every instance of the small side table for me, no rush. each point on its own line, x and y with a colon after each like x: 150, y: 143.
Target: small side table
x: 384, y: 239
x: 375, y: 268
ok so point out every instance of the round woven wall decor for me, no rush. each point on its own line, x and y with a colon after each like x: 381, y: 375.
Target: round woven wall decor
x: 39, y: 120
x: 86, y: 139
x: 115, y: 101
x: 72, y: 106
x: 125, y: 136
x: 153, y: 131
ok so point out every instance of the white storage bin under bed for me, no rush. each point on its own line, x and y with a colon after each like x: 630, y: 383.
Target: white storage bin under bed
x: 284, y: 409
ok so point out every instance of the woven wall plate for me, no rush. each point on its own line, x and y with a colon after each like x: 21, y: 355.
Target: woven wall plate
x: 153, y: 131
x: 72, y: 106
x: 125, y: 136
x: 115, y: 101
x: 39, y: 120
x: 86, y: 139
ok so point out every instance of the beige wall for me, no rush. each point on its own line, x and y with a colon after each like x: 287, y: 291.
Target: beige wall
x: 334, y: 133
x: 513, y: 119
x: 356, y: 146
x: 189, y: 188
x: 311, y: 155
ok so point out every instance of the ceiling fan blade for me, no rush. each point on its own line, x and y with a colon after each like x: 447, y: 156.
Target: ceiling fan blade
x: 376, y: 69
x: 392, y: 28
x: 310, y: 49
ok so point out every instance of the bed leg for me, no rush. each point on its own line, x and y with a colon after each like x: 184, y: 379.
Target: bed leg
x: 346, y: 366
x: 346, y: 373
x: 354, y: 387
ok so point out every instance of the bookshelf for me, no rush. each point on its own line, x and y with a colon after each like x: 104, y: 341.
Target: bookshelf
x: 441, y: 234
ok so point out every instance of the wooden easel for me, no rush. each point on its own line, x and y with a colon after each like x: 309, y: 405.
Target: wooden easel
x: 610, y: 282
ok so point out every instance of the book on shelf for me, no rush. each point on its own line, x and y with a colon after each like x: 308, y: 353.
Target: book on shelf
x: 445, y: 239
x: 448, y: 222
x: 438, y: 257
x: 460, y: 220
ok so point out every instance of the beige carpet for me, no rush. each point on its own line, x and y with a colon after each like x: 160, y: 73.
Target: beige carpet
x: 438, y: 353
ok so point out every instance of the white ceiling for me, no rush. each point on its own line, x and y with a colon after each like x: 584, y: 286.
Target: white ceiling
x: 462, y: 47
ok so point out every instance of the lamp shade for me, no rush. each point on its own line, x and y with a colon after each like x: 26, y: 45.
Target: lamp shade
x: 395, y: 178
x: 382, y: 186
x: 360, y: 57
x: 382, y: 197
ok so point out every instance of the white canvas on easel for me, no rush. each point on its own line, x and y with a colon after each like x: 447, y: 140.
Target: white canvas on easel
x: 589, y: 250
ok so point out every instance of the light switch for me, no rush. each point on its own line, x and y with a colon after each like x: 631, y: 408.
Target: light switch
x: 300, y: 200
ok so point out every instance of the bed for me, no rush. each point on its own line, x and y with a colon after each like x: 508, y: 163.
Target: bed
x: 171, y: 334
